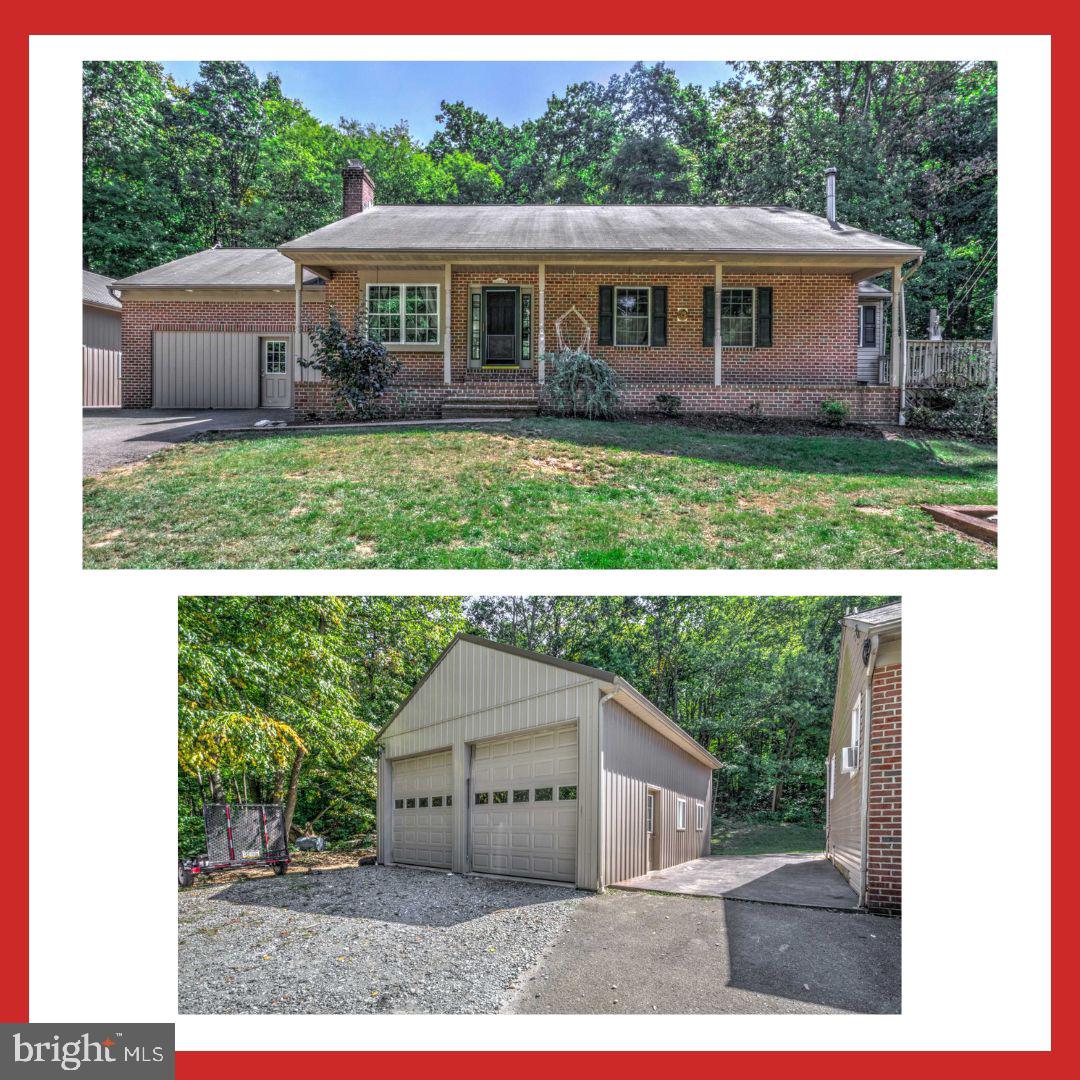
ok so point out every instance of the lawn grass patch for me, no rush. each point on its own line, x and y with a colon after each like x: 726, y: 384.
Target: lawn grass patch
x: 774, y: 838
x: 540, y: 493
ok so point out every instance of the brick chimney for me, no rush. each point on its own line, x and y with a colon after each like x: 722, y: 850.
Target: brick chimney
x: 357, y: 190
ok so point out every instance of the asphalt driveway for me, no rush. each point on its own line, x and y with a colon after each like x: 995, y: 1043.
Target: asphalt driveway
x: 394, y: 939
x: 114, y: 437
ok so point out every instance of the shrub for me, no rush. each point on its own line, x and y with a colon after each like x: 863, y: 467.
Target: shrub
x: 834, y: 413
x: 191, y: 834
x: 669, y: 404
x: 965, y: 410
x: 360, y: 369
x: 581, y: 385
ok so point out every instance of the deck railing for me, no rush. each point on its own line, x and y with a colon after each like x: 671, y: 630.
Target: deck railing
x: 950, y: 363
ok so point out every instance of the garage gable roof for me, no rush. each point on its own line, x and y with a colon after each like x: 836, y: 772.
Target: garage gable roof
x: 95, y: 290
x: 222, y: 268
x: 630, y: 698
x: 705, y: 230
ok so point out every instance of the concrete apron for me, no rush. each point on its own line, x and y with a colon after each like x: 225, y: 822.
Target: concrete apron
x: 796, y: 880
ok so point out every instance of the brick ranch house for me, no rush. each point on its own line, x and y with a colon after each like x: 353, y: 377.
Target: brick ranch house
x: 474, y: 299
x: 863, y: 771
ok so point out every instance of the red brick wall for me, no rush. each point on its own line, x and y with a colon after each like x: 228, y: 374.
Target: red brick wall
x: 883, y: 862
x: 142, y: 317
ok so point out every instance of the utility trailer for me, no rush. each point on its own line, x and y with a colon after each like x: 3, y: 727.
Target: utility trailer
x: 238, y: 835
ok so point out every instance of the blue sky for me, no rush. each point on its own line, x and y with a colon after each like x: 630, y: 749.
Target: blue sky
x: 385, y: 92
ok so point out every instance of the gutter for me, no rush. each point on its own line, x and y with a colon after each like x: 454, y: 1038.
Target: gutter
x: 864, y: 765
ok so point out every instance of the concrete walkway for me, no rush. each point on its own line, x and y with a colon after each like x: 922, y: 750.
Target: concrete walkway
x: 806, y: 880
x: 114, y: 437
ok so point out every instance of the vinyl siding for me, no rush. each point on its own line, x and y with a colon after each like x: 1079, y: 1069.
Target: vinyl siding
x: 635, y: 758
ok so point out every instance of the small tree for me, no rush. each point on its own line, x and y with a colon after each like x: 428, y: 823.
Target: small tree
x: 360, y: 369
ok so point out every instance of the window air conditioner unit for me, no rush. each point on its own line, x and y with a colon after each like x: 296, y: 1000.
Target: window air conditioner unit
x: 849, y: 761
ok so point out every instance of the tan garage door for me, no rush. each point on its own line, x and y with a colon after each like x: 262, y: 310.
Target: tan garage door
x: 204, y: 370
x: 422, y: 816
x: 524, y: 813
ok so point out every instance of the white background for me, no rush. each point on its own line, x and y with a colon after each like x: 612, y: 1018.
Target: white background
x: 976, y: 644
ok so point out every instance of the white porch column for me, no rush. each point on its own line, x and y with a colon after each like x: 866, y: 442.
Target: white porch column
x: 446, y: 324
x: 896, y: 358
x: 298, y: 318
x: 718, y: 346
x: 541, y: 338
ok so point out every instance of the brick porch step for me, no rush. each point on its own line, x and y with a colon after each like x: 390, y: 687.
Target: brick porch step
x: 461, y: 406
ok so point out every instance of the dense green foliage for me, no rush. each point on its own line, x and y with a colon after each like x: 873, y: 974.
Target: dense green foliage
x: 581, y: 385
x: 750, y: 678
x: 170, y: 169
x: 359, y: 368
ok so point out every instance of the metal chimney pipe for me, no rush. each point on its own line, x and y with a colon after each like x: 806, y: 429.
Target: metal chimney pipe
x: 830, y: 195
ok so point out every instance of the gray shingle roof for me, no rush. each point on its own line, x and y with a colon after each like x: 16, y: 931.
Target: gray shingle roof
x: 223, y: 268
x: 707, y: 230
x: 869, y: 291
x: 95, y: 290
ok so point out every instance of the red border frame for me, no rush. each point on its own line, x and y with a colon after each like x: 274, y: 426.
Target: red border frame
x: 277, y: 16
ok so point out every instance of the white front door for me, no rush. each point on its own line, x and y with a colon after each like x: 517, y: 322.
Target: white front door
x: 523, y: 816
x: 275, y: 373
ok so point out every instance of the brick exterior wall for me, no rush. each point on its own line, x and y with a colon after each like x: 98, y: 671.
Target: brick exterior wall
x: 142, y: 317
x: 883, y: 866
x: 812, y: 359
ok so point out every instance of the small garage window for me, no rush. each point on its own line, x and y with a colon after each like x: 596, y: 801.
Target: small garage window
x: 700, y: 817
x: 521, y: 795
x: 422, y: 801
x: 399, y: 804
x: 410, y: 804
x: 680, y: 815
x: 449, y: 800
x: 567, y: 794
x: 500, y: 796
x: 481, y: 798
x: 543, y: 794
x: 436, y: 800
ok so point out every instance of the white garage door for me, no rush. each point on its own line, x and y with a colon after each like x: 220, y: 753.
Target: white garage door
x: 422, y: 814
x: 524, y: 812
x: 204, y: 370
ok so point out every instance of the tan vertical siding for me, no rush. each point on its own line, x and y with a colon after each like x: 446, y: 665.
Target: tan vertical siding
x: 635, y: 758
x: 100, y: 328
x: 205, y: 370
x: 479, y: 693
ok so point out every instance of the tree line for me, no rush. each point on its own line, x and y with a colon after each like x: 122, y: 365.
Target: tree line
x: 171, y: 168
x: 281, y: 698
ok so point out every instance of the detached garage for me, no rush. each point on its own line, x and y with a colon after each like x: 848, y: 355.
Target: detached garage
x: 216, y: 330
x: 509, y: 762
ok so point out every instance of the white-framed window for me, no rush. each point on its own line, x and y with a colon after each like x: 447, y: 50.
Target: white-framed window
x: 700, y: 817
x: 275, y: 357
x: 832, y: 776
x: 650, y: 813
x: 403, y: 314
x: 680, y: 815
x: 632, y: 312
x: 868, y: 326
x: 737, y: 320
x: 856, y: 721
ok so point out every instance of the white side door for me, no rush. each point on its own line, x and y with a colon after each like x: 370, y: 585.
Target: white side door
x: 275, y: 373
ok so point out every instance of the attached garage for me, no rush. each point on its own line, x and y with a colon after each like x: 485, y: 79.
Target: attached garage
x: 510, y: 762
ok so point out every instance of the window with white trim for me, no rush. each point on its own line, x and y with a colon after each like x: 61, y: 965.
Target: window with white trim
x: 275, y: 357
x: 868, y: 326
x: 832, y: 776
x: 632, y: 316
x: 737, y: 316
x: 403, y: 314
x: 680, y: 815
x: 700, y: 817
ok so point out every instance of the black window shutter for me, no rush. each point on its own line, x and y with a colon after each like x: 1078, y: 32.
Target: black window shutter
x: 605, y: 332
x: 658, y: 335
x: 708, y: 316
x: 764, y: 318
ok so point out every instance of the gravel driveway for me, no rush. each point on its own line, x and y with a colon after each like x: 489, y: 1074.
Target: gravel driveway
x: 366, y: 939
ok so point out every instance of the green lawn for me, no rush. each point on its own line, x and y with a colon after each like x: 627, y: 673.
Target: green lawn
x: 540, y: 493
x: 740, y: 838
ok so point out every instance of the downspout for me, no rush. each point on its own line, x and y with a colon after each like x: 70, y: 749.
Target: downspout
x: 604, y: 699
x: 902, y: 315
x: 864, y: 764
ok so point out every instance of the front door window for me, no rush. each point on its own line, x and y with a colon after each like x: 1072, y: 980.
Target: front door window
x: 501, y: 326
